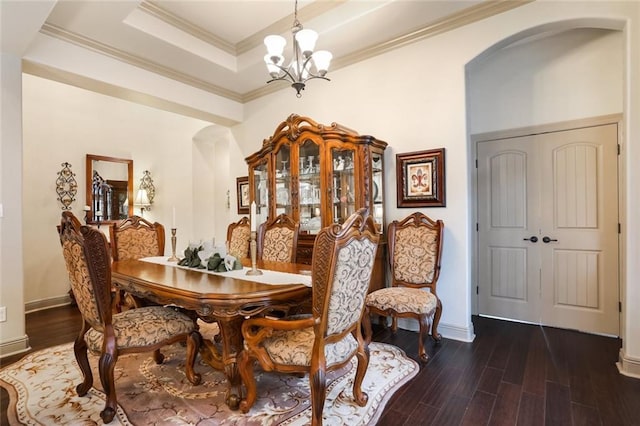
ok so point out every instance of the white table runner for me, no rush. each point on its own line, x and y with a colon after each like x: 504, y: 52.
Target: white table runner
x: 267, y: 277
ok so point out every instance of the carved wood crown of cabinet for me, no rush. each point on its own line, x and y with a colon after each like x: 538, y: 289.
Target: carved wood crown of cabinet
x: 318, y: 175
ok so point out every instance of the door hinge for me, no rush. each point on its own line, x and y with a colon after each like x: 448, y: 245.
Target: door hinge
x: 618, y: 152
x: 619, y: 229
x: 620, y: 307
x: 477, y: 161
x: 477, y: 227
x: 477, y: 289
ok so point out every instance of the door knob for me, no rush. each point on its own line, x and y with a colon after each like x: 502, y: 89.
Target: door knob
x: 533, y: 239
x: 547, y: 240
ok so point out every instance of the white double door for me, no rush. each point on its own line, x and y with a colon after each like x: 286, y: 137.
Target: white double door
x: 548, y: 229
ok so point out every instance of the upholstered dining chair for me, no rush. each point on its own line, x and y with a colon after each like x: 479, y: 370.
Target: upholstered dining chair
x: 415, y: 249
x: 111, y: 335
x: 330, y: 336
x: 135, y: 238
x: 238, y: 236
x: 278, y: 239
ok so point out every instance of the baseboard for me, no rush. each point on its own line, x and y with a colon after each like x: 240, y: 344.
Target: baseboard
x: 449, y: 331
x: 628, y: 366
x: 52, y: 302
x: 14, y: 347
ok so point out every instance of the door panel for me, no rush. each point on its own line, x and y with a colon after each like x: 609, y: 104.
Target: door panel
x: 582, y: 215
x: 508, y: 217
x: 560, y: 188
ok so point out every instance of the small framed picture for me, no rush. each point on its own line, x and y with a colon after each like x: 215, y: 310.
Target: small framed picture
x: 420, y: 176
x: 242, y: 187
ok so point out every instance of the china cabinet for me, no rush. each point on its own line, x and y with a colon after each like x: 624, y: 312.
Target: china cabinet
x: 319, y: 175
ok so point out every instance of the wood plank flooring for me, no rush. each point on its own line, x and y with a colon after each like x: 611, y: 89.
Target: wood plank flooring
x: 512, y: 374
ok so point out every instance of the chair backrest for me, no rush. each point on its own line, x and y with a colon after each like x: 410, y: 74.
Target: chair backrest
x: 342, y: 266
x: 415, y: 248
x: 238, y: 236
x: 278, y: 239
x: 135, y: 238
x: 88, y: 261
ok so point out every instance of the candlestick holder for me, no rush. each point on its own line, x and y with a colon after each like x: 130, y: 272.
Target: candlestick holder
x: 173, y: 257
x: 254, y: 252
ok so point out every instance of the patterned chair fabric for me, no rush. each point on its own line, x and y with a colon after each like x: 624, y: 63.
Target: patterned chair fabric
x: 278, y: 240
x: 415, y: 248
x: 88, y: 264
x: 238, y: 236
x: 327, y: 339
x: 135, y: 238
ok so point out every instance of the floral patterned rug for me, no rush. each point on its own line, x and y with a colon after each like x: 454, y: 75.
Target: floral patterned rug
x: 42, y: 391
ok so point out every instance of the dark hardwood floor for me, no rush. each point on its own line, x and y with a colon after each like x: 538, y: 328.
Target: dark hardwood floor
x: 512, y: 374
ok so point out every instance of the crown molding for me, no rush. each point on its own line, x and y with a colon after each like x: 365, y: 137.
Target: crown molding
x: 158, y: 12
x: 108, y: 89
x: 137, y: 61
x: 284, y: 25
x: 464, y: 17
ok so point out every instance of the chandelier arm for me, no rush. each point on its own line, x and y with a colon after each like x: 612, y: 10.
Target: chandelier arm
x: 284, y: 76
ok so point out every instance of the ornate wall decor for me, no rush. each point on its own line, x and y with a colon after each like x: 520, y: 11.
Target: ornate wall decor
x: 147, y: 183
x: 420, y: 177
x: 66, y: 186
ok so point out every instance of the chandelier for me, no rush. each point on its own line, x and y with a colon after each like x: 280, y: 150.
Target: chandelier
x: 301, y: 68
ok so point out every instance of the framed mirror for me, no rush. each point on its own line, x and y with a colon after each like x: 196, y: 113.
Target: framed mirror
x: 109, y: 183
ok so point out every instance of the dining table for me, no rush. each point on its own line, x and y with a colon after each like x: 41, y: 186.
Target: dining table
x: 227, y: 298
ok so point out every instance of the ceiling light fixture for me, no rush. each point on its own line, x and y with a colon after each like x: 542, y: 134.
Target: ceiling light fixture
x: 300, y: 68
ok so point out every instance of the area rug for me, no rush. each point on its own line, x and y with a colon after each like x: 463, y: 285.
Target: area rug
x: 42, y: 391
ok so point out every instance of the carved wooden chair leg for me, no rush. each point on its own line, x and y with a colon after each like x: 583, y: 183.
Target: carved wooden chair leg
x: 158, y: 357
x: 394, y: 324
x: 436, y: 320
x: 105, y: 367
x: 245, y: 367
x: 80, y: 351
x: 423, y: 320
x: 363, y: 362
x: 318, y: 383
x: 366, y: 324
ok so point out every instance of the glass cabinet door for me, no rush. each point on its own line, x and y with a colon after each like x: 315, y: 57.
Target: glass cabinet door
x: 283, y: 181
x: 343, y: 184
x: 261, y: 185
x: 309, y: 190
x: 377, y: 193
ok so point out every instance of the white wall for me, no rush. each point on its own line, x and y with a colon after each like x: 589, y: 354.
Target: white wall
x: 414, y: 98
x: 12, y: 332
x: 64, y: 123
x: 564, y: 76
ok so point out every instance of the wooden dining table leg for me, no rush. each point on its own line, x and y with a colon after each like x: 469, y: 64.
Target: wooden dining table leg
x: 230, y: 330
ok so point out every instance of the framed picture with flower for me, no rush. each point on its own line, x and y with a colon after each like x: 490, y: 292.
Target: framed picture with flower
x: 242, y: 187
x: 420, y: 177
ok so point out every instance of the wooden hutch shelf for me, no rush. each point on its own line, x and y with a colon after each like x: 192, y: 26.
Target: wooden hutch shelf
x: 319, y: 175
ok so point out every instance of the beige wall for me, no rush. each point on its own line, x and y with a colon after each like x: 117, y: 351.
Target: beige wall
x: 64, y: 123
x: 414, y: 98
x: 12, y: 332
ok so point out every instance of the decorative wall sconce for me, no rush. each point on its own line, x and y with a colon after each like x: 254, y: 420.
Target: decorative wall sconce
x: 142, y: 200
x: 66, y: 186
x: 146, y: 184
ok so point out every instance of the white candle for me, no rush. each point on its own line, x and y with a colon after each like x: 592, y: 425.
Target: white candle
x: 173, y: 222
x: 253, y: 217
